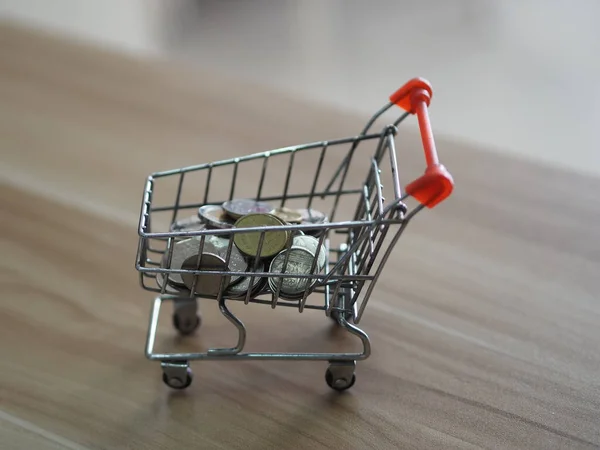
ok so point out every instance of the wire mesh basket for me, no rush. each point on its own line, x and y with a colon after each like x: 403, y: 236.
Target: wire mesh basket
x: 302, y: 237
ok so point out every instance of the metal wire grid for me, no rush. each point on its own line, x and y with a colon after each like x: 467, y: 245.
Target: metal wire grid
x: 348, y: 266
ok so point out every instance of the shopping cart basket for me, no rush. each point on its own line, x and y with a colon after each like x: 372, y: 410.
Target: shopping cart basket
x: 348, y: 254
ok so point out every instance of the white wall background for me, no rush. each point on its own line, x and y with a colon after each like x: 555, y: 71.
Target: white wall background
x: 517, y: 75
x: 126, y: 24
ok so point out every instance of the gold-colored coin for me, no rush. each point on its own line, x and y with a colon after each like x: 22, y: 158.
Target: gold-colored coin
x: 288, y: 215
x: 248, y: 242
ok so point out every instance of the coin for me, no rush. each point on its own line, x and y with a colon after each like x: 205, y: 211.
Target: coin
x: 292, y: 298
x: 288, y: 215
x: 170, y: 290
x: 237, y: 208
x: 311, y: 244
x: 273, y: 242
x: 212, y: 244
x: 236, y: 262
x: 215, y: 216
x: 207, y: 284
x: 192, y: 223
x: 187, y: 247
x: 312, y: 216
x: 299, y: 263
x: 182, y: 250
x: 239, y: 290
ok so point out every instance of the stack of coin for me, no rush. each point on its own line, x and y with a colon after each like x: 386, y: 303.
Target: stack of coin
x: 248, y: 250
x: 225, y: 215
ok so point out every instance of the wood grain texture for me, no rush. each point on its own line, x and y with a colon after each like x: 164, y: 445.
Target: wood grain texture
x: 484, y: 325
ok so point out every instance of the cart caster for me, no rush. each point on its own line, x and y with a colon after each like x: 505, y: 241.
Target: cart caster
x: 186, y: 324
x: 177, y: 375
x: 341, y: 376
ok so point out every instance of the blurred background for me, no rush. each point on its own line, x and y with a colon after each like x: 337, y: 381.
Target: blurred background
x: 514, y: 76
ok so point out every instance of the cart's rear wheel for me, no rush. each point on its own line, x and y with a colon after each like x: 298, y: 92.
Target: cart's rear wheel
x: 340, y: 377
x: 186, y: 324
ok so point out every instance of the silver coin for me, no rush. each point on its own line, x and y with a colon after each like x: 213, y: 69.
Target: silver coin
x: 237, y: 208
x: 171, y: 290
x: 239, y: 290
x: 215, y: 216
x: 236, y: 261
x: 182, y: 250
x: 206, y: 284
x: 310, y: 215
x: 291, y: 298
x: 185, y: 248
x: 313, y: 217
x: 300, y: 262
x: 192, y: 223
x: 311, y: 244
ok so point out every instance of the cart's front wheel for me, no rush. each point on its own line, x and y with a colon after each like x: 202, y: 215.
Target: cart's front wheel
x: 340, y: 377
x: 176, y: 382
x: 177, y: 375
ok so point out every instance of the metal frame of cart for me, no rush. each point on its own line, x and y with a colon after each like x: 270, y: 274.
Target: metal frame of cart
x: 342, y: 290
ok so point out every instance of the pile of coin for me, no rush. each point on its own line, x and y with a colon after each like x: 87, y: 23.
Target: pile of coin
x: 285, y: 252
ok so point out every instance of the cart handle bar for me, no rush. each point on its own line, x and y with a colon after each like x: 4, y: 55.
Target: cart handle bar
x: 436, y: 184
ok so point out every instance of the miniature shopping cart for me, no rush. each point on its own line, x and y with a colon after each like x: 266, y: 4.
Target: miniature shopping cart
x: 345, y: 179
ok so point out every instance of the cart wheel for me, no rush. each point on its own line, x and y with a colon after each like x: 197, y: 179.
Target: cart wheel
x: 339, y: 383
x: 186, y: 325
x: 176, y: 382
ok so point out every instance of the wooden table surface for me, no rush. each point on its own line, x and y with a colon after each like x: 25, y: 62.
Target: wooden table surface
x: 484, y: 325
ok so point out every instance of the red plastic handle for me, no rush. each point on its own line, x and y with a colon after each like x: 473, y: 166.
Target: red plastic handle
x: 436, y: 184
